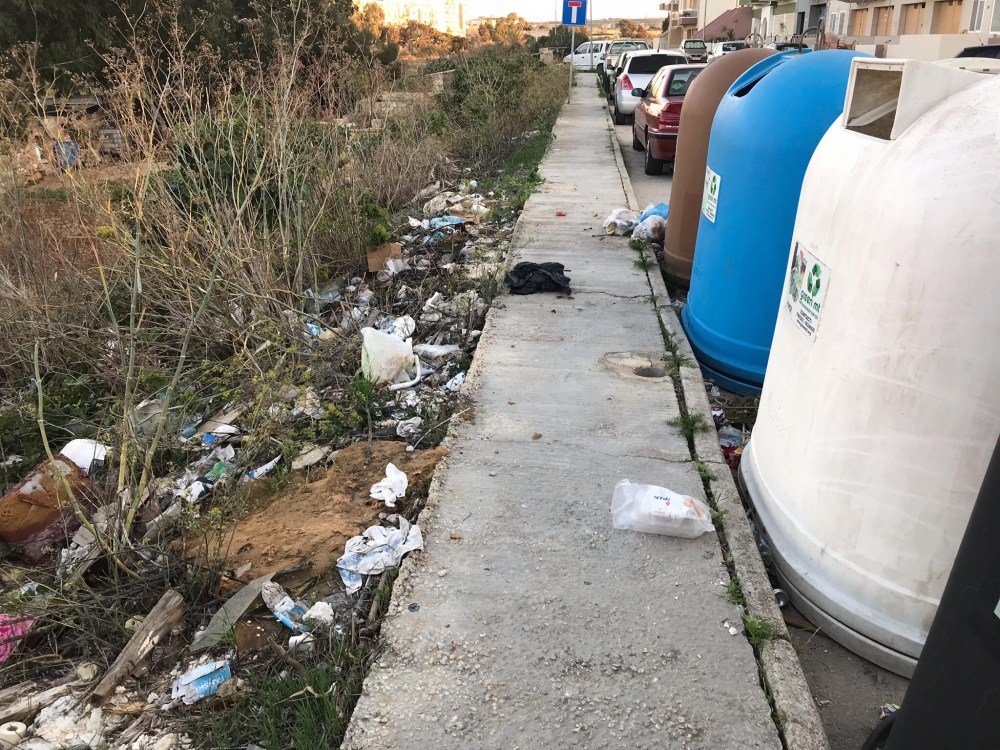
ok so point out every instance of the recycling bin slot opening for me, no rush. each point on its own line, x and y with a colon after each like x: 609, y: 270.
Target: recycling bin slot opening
x: 873, y: 100
x: 744, y: 90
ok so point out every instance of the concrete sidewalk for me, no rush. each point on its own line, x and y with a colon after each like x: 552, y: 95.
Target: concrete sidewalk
x: 543, y: 627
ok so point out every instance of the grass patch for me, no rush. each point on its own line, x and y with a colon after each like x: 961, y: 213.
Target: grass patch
x: 530, y: 153
x: 47, y: 195
x: 689, y: 424
x: 284, y: 709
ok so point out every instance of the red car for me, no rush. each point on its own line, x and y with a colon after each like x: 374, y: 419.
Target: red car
x: 658, y: 115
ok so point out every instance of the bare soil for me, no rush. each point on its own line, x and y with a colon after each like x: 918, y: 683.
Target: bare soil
x: 310, y: 519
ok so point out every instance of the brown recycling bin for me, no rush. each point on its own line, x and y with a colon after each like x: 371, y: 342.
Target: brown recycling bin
x: 700, y: 103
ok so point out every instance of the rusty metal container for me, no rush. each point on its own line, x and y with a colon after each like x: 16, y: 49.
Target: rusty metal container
x: 700, y: 103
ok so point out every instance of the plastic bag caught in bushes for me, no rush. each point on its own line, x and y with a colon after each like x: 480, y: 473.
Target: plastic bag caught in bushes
x: 620, y: 222
x: 384, y: 357
x: 652, y: 228
x: 657, y: 510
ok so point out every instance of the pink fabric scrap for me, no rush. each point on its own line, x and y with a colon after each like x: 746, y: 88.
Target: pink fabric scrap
x: 11, y: 628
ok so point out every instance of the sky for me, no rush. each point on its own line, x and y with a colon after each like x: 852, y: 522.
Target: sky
x: 547, y: 10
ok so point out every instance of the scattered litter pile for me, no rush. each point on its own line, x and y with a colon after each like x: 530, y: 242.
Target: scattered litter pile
x: 650, y: 225
x: 322, y: 521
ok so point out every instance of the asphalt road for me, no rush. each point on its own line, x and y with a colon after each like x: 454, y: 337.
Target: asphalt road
x: 647, y: 189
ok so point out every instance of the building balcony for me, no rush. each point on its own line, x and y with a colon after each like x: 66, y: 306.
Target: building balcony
x: 672, y: 5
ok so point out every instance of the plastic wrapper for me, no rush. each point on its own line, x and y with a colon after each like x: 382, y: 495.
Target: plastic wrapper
x: 657, y: 510
x: 620, y: 222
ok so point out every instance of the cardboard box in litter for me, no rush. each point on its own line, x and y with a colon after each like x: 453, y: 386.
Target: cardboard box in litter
x: 377, y: 256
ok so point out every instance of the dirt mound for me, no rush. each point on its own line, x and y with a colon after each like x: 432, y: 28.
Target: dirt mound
x: 309, y: 521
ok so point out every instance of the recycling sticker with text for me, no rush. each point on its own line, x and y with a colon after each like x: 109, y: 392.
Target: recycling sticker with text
x: 808, y: 280
x: 710, y: 197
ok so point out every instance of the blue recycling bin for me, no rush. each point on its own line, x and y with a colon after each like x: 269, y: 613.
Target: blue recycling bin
x: 764, y: 133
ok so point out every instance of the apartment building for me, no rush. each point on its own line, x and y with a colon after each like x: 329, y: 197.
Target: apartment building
x: 689, y: 19
x: 926, y: 30
x: 447, y: 16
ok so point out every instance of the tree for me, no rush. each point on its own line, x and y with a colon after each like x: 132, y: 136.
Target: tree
x: 629, y: 29
x: 71, y: 38
x: 561, y: 37
x: 370, y: 18
x: 509, y: 31
x: 666, y: 24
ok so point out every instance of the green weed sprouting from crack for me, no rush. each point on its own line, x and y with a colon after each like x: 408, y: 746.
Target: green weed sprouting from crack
x: 758, y: 631
x: 643, y: 263
x: 718, y: 516
x: 689, y: 424
x: 734, y: 592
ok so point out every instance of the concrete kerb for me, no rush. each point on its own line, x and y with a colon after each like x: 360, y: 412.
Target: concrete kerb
x: 403, y: 585
x: 798, y: 718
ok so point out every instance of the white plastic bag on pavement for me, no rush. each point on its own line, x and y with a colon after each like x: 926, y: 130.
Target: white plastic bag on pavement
x: 620, y: 222
x: 379, y: 548
x: 657, y: 510
x: 652, y: 228
x: 384, y: 357
x: 393, y: 486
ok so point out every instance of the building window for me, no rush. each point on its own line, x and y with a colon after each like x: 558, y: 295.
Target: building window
x: 913, y: 18
x: 859, y: 22
x: 976, y: 21
x: 883, y: 21
x: 946, y: 19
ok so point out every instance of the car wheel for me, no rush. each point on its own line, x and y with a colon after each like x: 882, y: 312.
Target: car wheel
x: 636, y: 143
x: 619, y: 117
x: 650, y: 165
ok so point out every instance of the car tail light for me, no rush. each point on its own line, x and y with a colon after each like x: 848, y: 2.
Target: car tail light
x: 670, y: 115
x: 626, y: 83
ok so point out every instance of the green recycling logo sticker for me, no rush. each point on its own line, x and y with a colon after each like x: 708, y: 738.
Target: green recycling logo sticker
x: 807, y: 290
x: 710, y: 196
x: 813, y: 282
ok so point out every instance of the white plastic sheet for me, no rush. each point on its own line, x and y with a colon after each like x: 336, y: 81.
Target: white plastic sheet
x: 657, y: 510
x: 652, y: 228
x: 621, y: 221
x: 431, y: 351
x: 384, y: 357
x: 392, y: 487
x: 378, y: 549
x: 84, y: 453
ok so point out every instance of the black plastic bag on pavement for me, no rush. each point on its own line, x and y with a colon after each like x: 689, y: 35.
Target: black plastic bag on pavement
x: 528, y: 278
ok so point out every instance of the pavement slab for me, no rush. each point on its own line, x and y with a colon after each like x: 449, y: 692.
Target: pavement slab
x: 542, y: 626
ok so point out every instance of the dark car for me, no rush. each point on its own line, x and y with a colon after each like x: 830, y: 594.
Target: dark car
x: 658, y: 114
x: 986, y: 50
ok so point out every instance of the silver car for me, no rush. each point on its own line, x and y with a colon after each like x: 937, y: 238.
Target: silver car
x: 637, y: 70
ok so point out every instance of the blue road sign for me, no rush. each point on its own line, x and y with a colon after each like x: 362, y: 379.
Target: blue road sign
x: 574, y: 13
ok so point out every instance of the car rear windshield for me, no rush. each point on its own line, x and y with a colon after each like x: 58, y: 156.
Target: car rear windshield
x: 680, y: 81
x: 649, y: 64
x: 730, y: 46
x: 694, y: 44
